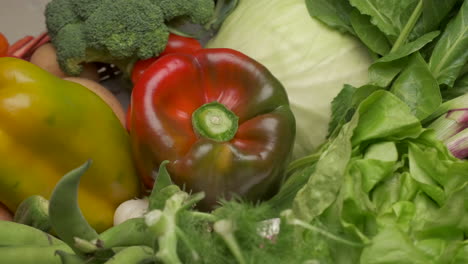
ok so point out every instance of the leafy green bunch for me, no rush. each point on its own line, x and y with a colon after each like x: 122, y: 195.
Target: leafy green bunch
x: 386, y: 182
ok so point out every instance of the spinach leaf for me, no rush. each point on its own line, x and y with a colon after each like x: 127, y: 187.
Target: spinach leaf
x: 345, y: 104
x: 368, y: 33
x: 383, y: 71
x: 341, y: 105
x: 385, y: 117
x: 460, y: 88
x: 390, y: 16
x: 418, y: 88
x: 334, y: 13
x: 451, y: 52
x: 324, y: 183
x: 433, y: 14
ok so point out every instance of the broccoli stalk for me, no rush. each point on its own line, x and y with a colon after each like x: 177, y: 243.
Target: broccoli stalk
x: 118, y: 32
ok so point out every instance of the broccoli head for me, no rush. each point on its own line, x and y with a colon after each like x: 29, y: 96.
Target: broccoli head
x: 118, y: 32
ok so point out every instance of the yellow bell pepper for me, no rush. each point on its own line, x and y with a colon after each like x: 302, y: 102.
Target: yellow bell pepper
x: 50, y: 126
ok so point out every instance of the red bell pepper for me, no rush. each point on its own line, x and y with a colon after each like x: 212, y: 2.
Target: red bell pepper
x: 3, y: 45
x: 175, y: 44
x: 221, y: 119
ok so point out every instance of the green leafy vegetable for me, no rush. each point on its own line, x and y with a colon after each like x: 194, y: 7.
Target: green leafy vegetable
x: 451, y: 52
x: 389, y: 16
x: 417, y: 87
x: 369, y: 34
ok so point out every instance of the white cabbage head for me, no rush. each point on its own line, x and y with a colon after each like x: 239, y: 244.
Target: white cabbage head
x: 312, y: 60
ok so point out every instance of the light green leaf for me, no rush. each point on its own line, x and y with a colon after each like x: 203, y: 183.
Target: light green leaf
x: 323, y: 185
x: 391, y: 246
x: 384, y: 116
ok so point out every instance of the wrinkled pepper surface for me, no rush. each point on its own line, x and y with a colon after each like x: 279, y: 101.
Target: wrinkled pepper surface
x: 221, y: 119
x: 50, y: 126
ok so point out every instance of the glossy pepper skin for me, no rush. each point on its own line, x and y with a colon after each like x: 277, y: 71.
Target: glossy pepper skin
x: 164, y: 102
x: 50, y: 126
x: 3, y: 45
x: 175, y: 44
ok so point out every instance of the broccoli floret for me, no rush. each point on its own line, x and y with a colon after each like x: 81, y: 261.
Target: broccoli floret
x: 118, y: 32
x: 198, y: 11
x: 59, y: 13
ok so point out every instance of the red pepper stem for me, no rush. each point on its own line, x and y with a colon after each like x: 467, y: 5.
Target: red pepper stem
x: 214, y: 121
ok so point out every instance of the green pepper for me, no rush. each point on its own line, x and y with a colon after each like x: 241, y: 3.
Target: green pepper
x: 50, y: 126
x: 221, y: 119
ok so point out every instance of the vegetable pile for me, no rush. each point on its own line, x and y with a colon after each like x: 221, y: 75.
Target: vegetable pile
x: 377, y: 173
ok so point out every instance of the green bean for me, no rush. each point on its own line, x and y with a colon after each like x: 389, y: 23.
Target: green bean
x: 34, y: 211
x: 133, y: 254
x: 32, y: 254
x: 65, y: 215
x: 132, y: 232
x: 15, y: 234
x: 68, y: 258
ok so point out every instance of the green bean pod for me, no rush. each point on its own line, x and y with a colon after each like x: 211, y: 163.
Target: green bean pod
x: 32, y: 254
x: 65, y: 215
x: 67, y: 258
x: 16, y: 234
x: 132, y: 232
x: 133, y: 254
x: 34, y: 211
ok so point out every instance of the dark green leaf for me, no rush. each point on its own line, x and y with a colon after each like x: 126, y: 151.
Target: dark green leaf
x: 433, y: 14
x: 389, y: 16
x: 334, y: 13
x: 369, y: 34
x: 163, y: 188
x: 341, y: 104
x: 410, y: 48
x: 460, y: 88
x: 222, y: 10
x: 451, y: 52
x: 383, y: 71
x: 418, y: 88
x: 164, y: 179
